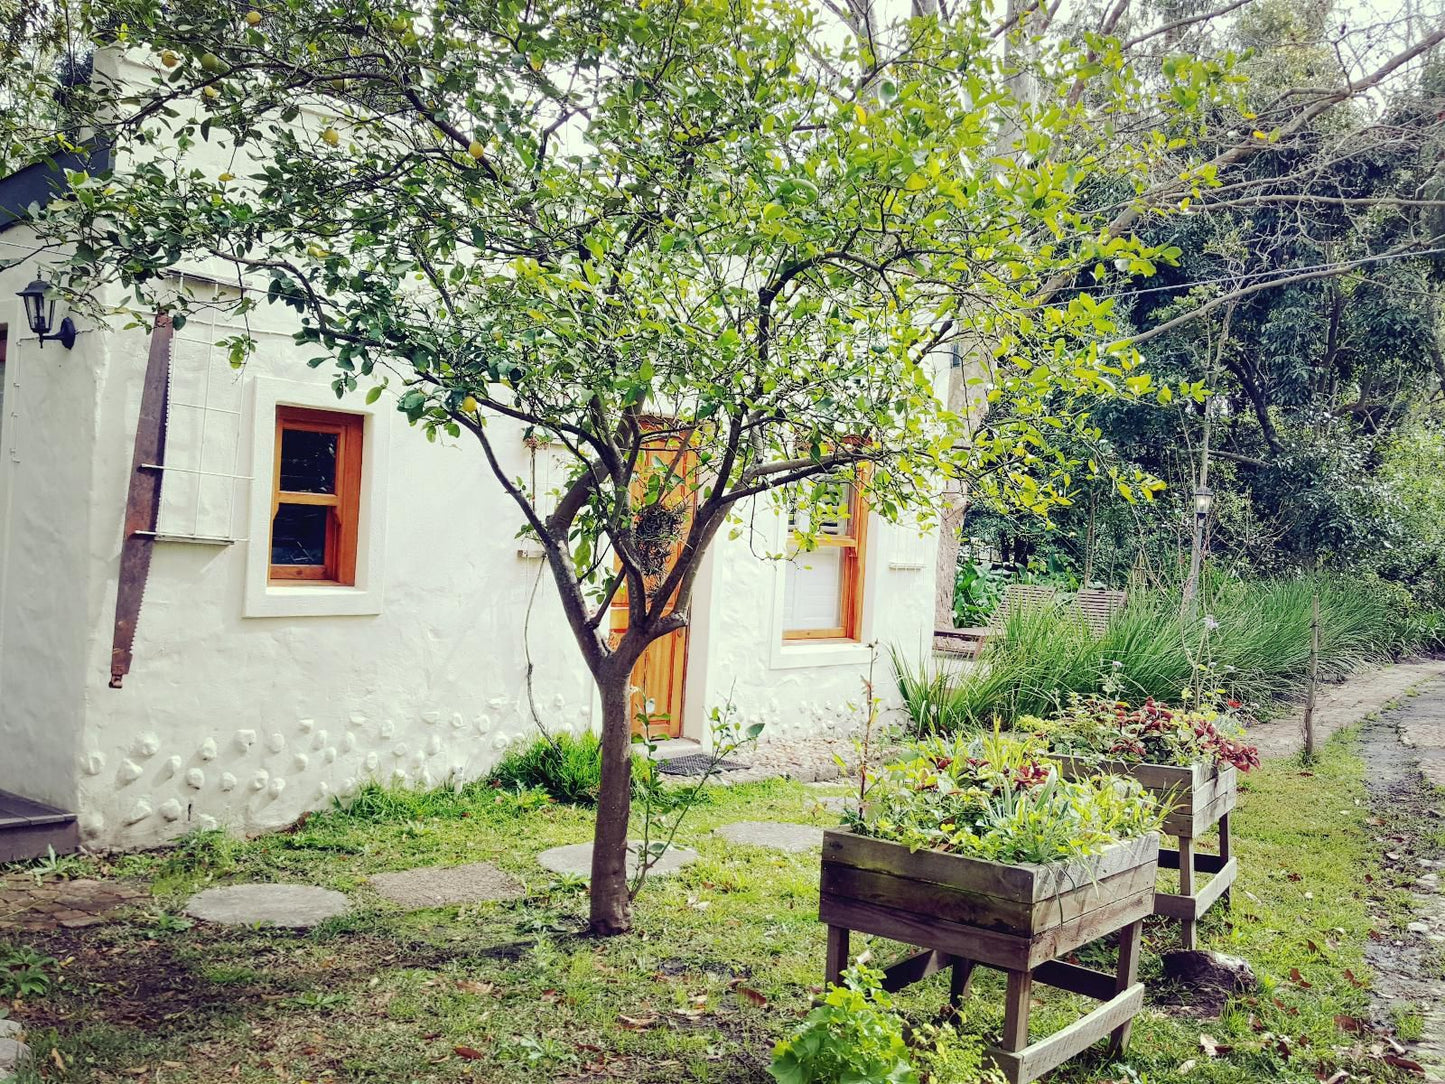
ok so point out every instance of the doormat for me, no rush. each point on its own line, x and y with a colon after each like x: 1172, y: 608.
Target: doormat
x: 697, y: 764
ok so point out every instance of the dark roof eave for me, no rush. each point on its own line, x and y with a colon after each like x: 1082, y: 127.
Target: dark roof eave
x: 39, y: 182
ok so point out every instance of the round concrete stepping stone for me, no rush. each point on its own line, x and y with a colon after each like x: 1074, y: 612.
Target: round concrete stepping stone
x: 576, y: 859
x: 293, y: 906
x: 777, y: 835
x: 434, y: 886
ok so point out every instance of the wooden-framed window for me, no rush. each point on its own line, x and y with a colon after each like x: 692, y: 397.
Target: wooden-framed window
x: 823, y: 587
x: 316, y: 496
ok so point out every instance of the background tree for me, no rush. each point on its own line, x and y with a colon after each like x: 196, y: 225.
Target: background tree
x: 704, y: 251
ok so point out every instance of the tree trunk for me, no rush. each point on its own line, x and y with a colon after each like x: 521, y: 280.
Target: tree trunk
x: 611, y: 906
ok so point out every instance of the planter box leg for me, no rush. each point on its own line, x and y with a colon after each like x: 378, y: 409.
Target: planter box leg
x: 1130, y: 938
x: 960, y: 979
x: 1224, y: 855
x: 1016, y: 1010
x: 837, y: 954
x: 1187, y: 939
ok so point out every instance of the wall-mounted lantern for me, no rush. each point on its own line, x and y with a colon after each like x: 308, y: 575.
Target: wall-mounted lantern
x: 40, y: 314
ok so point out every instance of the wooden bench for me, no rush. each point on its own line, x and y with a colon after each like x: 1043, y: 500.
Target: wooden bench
x: 1017, y: 598
x: 1098, y: 606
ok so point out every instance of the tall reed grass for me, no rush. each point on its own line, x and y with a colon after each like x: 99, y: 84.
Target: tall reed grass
x: 1252, y: 638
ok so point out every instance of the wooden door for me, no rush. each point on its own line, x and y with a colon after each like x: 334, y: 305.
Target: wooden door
x: 661, y: 673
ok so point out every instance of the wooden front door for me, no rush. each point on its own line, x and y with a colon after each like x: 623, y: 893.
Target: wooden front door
x: 661, y: 673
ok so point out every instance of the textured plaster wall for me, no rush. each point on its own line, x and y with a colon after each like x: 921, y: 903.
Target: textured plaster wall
x: 47, y: 554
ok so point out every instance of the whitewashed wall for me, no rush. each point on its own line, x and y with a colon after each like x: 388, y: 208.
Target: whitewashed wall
x: 247, y: 721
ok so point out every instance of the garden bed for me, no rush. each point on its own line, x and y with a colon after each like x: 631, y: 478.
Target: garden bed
x: 1018, y: 918
x: 1198, y: 797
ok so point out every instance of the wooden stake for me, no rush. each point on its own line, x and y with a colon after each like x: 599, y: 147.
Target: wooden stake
x: 1314, y: 676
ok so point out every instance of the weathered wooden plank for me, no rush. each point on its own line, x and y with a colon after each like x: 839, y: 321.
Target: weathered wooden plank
x: 1024, y: 882
x: 959, y: 904
x: 1010, y: 882
x: 1161, y: 777
x: 1057, y: 878
x: 1076, y: 979
x: 989, y: 947
x: 1064, y: 938
x: 1203, y: 863
x: 1032, y: 1062
x: 1131, y: 940
x: 837, y: 953
x: 927, y: 898
x: 1192, y: 908
x: 1206, y: 816
x: 1017, y: 1000
x: 914, y: 968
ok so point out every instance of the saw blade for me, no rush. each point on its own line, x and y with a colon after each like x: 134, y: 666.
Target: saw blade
x: 142, y: 506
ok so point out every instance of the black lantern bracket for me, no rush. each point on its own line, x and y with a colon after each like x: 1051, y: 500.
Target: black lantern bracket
x: 40, y: 314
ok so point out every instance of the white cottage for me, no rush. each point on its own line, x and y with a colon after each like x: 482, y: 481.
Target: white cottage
x: 328, y: 598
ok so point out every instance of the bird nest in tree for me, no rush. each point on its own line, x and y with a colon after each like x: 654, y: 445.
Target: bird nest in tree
x: 656, y: 528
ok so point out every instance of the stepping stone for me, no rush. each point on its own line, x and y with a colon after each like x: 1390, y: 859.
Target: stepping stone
x: 433, y: 886
x: 838, y: 803
x: 293, y: 906
x: 576, y: 859
x: 778, y: 835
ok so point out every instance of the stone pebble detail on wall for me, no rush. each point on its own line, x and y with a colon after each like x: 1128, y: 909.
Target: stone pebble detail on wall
x: 173, y: 766
x: 208, y: 749
x: 245, y: 739
x: 129, y: 771
x: 147, y: 745
x: 195, y: 779
x: 228, y: 781
x: 171, y: 809
x: 94, y: 763
x: 139, y: 812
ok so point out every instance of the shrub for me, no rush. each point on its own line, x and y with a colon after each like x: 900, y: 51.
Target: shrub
x: 1251, y: 638
x: 999, y: 798
x: 25, y: 973
x: 852, y: 1036
x: 567, y: 768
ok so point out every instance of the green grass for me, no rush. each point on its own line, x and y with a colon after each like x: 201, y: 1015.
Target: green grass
x: 386, y: 995
x: 1251, y: 638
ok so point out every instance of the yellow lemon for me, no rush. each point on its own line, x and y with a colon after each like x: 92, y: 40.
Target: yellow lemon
x: 477, y: 151
x: 253, y: 18
x: 331, y: 137
x: 211, y: 93
x: 469, y: 405
x: 169, y: 59
x: 224, y: 177
x: 211, y: 62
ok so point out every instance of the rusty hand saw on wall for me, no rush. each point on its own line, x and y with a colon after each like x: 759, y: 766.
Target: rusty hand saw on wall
x: 142, y: 506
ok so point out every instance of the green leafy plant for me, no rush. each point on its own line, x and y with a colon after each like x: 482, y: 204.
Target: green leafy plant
x: 853, y: 1037
x: 1153, y: 732
x: 564, y: 766
x: 976, y: 592
x: 25, y: 972
x: 998, y: 797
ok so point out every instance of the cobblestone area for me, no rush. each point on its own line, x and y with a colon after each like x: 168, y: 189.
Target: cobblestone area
x: 28, y: 906
x: 807, y: 760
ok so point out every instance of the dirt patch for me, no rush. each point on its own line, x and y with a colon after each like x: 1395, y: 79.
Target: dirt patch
x: 1342, y: 705
x: 1408, y: 992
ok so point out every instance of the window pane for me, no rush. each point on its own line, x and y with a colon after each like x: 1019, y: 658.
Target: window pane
x: 813, y: 590
x: 298, y: 534
x: 308, y: 461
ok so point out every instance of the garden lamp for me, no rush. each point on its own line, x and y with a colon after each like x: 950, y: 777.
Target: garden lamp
x: 40, y: 314
x: 1203, y: 501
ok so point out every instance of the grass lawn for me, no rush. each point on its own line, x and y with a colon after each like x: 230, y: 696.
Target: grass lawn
x: 725, y: 959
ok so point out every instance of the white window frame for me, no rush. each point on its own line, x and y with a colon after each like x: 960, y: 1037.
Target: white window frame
x: 266, y: 599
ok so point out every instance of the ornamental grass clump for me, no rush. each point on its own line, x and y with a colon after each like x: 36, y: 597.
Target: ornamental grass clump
x: 999, y: 797
x: 1154, y: 733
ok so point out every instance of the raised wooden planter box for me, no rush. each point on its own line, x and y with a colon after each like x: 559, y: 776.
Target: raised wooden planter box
x: 1017, y: 918
x: 1200, y: 797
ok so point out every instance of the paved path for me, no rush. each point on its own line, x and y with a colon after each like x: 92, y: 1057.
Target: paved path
x: 1341, y: 705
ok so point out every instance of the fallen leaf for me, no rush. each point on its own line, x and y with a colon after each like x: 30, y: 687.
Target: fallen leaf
x: 470, y: 1053
x: 1298, y: 979
x: 1350, y: 1023
x: 1339, y: 1077
x: 636, y: 1023
x: 1212, y: 1047
x: 59, y: 1060
x: 1294, y: 876
x: 1350, y: 978
x: 752, y: 995
x: 1185, y: 1066
x: 470, y: 987
x: 1404, y: 1063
